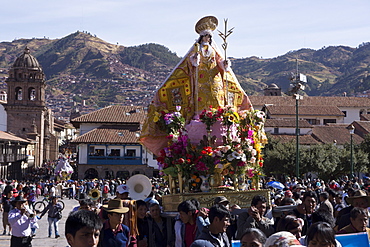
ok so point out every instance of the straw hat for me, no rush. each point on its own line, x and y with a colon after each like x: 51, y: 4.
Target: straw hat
x: 115, y: 206
x: 358, y: 194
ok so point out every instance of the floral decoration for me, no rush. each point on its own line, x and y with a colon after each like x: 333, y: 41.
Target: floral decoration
x: 239, y: 156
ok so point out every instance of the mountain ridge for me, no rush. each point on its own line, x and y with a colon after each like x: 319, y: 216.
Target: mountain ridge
x: 89, y: 69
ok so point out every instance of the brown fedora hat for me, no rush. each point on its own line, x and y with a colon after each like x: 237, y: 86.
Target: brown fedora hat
x: 358, y: 194
x: 115, y: 206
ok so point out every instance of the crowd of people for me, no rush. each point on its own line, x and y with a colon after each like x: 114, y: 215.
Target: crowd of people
x: 303, y: 212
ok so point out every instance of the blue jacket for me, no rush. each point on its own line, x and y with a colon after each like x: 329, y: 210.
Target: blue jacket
x: 107, y: 238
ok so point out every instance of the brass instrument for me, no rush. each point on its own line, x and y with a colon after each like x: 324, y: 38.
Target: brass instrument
x: 94, y: 194
x: 139, y: 187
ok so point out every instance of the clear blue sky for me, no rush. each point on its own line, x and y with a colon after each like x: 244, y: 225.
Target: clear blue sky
x: 264, y: 28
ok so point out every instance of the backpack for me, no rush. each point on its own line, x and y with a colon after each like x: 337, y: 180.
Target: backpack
x: 105, y: 189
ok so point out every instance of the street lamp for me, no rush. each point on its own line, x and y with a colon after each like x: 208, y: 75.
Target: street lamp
x: 351, y: 129
x: 297, y: 84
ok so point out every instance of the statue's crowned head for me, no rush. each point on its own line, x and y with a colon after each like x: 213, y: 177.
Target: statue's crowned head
x: 206, y: 25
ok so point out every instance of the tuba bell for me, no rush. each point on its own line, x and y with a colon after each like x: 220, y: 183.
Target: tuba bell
x: 94, y: 194
x: 139, y: 187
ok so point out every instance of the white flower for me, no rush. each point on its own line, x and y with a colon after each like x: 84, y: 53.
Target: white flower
x: 230, y: 157
x: 254, y: 152
x: 260, y: 114
x: 253, y: 160
x: 224, y: 149
x: 178, y: 107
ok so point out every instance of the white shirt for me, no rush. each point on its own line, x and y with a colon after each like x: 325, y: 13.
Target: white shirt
x: 20, y: 223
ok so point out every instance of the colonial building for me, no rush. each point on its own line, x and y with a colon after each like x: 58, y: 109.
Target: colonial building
x: 27, y: 115
x: 321, y: 119
x: 13, y: 156
x: 108, y: 144
x: 315, y: 109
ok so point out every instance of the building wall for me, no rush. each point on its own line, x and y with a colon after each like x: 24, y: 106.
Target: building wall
x: 102, y: 169
x: 305, y: 117
x: 288, y: 130
x: 82, y: 154
x: 3, y: 118
x: 86, y: 127
x: 353, y: 113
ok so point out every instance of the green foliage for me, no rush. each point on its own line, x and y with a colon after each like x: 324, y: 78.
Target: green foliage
x: 326, y: 160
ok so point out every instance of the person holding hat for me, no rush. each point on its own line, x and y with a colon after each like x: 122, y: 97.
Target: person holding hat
x: 114, y: 232
x: 20, y: 220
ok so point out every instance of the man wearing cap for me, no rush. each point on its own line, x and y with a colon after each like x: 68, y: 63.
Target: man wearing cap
x: 122, y: 192
x: 114, y: 232
x: 20, y: 220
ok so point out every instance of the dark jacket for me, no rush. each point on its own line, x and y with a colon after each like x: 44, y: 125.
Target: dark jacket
x: 108, y: 239
x: 52, y: 210
x: 221, y: 241
x: 160, y: 235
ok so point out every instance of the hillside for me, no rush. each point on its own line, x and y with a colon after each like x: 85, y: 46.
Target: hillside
x: 82, y: 68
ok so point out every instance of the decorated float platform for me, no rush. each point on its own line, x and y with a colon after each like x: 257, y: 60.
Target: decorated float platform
x: 206, y: 199
x: 201, y: 125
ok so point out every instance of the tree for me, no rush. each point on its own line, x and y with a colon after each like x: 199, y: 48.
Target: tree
x: 327, y: 161
x: 279, y: 157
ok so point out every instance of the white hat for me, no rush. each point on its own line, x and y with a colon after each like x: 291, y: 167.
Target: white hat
x: 123, y: 188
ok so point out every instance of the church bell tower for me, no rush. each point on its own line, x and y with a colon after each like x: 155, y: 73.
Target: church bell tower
x: 26, y: 111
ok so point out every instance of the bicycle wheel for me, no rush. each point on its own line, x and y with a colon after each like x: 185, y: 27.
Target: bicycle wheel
x: 61, y: 203
x: 39, y: 206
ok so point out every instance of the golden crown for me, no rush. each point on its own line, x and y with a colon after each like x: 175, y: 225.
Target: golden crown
x: 206, y: 23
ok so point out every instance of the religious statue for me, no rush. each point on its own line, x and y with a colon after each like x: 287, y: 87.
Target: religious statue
x: 202, y: 79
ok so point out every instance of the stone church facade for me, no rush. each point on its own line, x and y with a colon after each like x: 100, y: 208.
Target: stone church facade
x: 27, y: 115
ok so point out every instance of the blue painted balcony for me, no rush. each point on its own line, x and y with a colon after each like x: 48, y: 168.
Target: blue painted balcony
x: 114, y: 160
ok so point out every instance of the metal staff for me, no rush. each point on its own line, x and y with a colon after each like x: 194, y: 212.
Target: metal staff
x: 224, y: 36
x: 195, y: 86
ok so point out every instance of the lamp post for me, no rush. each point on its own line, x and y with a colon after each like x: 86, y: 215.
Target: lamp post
x: 297, y: 85
x: 351, y: 129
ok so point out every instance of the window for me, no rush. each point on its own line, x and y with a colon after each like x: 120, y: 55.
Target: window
x: 99, y: 152
x: 131, y: 152
x: 276, y: 130
x: 18, y: 93
x: 326, y: 121
x: 32, y: 94
x: 313, y: 121
x: 345, y: 113
x: 115, y: 152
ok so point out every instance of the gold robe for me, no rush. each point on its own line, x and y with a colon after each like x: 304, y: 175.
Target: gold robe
x: 196, y: 83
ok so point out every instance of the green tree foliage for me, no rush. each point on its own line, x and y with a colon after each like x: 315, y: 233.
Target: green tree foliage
x: 327, y: 161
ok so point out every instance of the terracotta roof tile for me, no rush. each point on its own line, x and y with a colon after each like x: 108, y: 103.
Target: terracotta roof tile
x: 303, y: 139
x: 306, y: 110
x: 5, y: 136
x: 311, y: 100
x: 286, y: 123
x: 365, y: 117
x: 114, y: 114
x: 327, y: 134
x: 108, y: 134
x: 365, y: 125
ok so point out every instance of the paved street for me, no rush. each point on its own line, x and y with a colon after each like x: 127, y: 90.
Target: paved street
x: 41, y: 239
